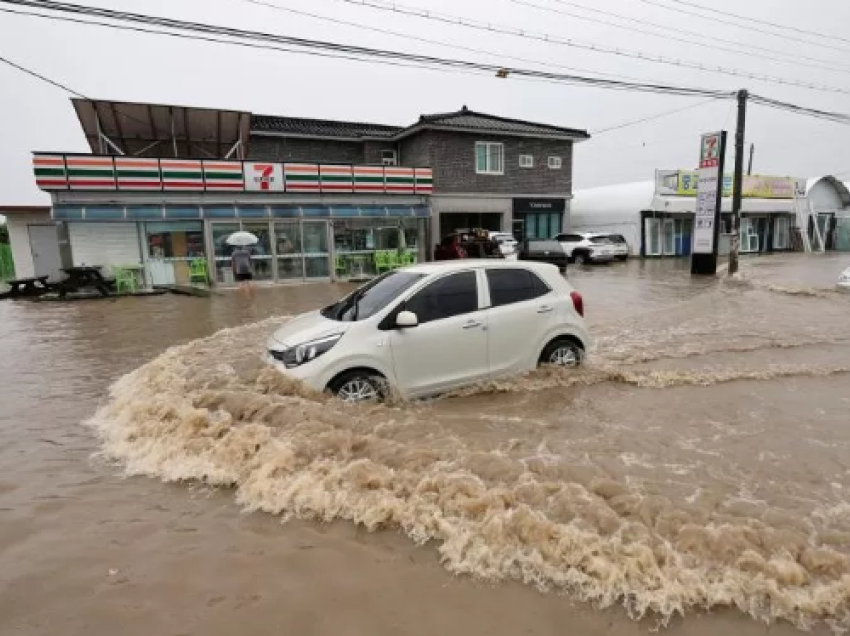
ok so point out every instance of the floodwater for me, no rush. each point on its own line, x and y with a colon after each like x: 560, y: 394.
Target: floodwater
x: 694, y: 475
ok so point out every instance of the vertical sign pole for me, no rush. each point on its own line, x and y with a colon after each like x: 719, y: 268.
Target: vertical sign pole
x: 709, y: 197
x: 738, y: 182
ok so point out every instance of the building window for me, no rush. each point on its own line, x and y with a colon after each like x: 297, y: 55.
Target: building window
x: 526, y: 161
x: 389, y: 158
x: 555, y: 163
x: 489, y: 158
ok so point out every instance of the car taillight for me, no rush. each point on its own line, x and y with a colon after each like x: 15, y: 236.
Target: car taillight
x: 578, y: 303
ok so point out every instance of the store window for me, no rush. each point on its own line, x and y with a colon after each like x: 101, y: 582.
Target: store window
x: 261, y: 253
x: 366, y: 247
x: 172, y: 248
x: 489, y: 157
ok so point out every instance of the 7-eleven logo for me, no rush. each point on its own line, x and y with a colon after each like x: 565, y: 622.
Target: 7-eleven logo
x: 264, y: 175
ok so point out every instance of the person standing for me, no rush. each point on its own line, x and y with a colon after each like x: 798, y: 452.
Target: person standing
x: 243, y: 268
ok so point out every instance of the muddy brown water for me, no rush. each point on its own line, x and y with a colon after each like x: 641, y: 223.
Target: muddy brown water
x: 695, y: 474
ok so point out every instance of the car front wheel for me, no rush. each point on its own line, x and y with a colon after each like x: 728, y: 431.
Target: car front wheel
x: 359, y: 386
x: 582, y: 259
x: 562, y: 353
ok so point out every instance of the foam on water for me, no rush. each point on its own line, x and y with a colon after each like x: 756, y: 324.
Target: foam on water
x: 507, y: 509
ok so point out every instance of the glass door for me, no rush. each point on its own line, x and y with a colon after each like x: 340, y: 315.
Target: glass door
x: 652, y: 228
x: 261, y: 253
x: 222, y: 251
x: 669, y: 237
x: 290, y: 255
x: 780, y: 233
x: 749, y: 236
x: 316, y: 254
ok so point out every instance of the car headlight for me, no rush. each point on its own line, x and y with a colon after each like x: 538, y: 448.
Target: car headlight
x: 303, y: 353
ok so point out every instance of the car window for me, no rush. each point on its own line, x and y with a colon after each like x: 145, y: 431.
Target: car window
x: 574, y: 238
x: 449, y: 296
x: 509, y: 286
x: 372, y: 297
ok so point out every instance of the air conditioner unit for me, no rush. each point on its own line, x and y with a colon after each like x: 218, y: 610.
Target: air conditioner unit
x: 388, y: 158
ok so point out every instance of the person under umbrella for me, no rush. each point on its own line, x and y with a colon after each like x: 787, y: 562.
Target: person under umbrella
x: 240, y: 259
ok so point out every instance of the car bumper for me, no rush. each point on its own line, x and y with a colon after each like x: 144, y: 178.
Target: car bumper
x: 602, y: 258
x: 308, y: 374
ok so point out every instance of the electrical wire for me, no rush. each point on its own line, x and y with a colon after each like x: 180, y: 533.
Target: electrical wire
x: 784, y: 36
x: 768, y: 23
x: 490, y: 27
x: 330, y: 49
x: 635, y: 122
x: 672, y: 38
x: 218, y: 30
x: 333, y: 49
x: 407, y: 36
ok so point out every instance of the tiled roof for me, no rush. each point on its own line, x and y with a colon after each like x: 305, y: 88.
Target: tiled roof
x: 320, y: 127
x: 463, y: 119
x: 468, y: 119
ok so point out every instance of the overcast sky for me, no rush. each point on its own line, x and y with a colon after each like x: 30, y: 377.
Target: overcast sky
x: 108, y: 64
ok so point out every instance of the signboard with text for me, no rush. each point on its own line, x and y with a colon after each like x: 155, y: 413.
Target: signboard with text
x: 683, y: 183
x: 708, y: 187
x: 263, y: 177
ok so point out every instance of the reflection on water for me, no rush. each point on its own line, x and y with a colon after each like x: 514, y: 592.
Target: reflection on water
x: 700, y: 460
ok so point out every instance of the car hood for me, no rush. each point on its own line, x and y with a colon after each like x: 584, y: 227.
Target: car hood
x: 304, y: 328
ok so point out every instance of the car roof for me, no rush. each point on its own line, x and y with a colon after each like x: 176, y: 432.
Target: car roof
x: 461, y: 264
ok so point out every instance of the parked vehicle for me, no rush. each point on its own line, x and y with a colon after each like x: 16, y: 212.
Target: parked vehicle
x: 507, y: 243
x: 435, y: 327
x: 620, y: 244
x: 544, y: 251
x: 467, y: 244
x: 587, y: 248
x: 844, y: 279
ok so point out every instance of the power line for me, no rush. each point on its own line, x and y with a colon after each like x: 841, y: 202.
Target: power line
x: 784, y: 36
x: 490, y: 27
x: 407, y: 36
x: 348, y: 51
x: 635, y: 122
x: 357, y: 53
x: 768, y: 23
x: 831, y: 66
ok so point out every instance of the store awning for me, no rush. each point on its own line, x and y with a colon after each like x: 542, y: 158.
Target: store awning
x: 162, y: 130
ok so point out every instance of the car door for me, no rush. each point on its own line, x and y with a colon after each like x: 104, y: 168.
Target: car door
x: 448, y: 348
x: 569, y: 242
x: 520, y: 312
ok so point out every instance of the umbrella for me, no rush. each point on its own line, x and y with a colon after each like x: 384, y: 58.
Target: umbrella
x: 242, y: 239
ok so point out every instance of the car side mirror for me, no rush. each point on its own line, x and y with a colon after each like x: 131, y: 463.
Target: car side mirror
x: 406, y: 320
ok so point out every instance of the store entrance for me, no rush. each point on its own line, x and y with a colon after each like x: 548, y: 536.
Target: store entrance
x: 453, y: 221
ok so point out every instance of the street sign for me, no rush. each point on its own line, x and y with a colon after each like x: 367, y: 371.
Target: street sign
x: 709, y: 190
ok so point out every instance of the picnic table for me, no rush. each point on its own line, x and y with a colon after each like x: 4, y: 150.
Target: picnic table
x: 23, y: 287
x: 83, y: 277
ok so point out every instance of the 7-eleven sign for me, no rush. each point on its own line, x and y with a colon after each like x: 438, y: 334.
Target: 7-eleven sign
x: 709, y: 154
x: 263, y: 177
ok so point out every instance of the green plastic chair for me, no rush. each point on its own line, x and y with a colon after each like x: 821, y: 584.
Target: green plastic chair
x: 393, y: 260
x: 407, y: 258
x: 382, y: 262
x: 126, y: 281
x: 198, y: 271
x: 341, y: 266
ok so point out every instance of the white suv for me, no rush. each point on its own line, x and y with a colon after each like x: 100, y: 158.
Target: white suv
x: 435, y: 327
x: 587, y: 248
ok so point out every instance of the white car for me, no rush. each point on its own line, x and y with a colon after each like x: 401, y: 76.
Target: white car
x: 435, y: 327
x: 507, y: 243
x: 844, y: 279
x: 587, y: 248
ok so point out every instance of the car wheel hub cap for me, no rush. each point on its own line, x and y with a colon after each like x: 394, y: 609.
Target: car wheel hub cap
x: 357, y: 391
x: 564, y: 357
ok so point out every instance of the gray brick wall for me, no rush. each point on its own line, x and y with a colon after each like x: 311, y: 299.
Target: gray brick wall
x: 306, y: 150
x: 452, y: 156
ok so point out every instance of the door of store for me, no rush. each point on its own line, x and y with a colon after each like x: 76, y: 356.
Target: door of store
x: 301, y: 250
x: 44, y: 245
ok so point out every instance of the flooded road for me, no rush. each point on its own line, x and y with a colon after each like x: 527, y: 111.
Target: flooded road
x: 701, y: 461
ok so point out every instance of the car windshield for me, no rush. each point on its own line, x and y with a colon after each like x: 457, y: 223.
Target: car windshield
x: 600, y: 240
x: 368, y: 300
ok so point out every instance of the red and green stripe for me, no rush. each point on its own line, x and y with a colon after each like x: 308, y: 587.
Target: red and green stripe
x: 50, y: 173
x: 424, y: 180
x: 90, y: 173
x: 223, y: 175
x: 137, y: 174
x: 400, y: 180
x: 182, y: 174
x: 301, y: 177
x: 336, y: 178
x: 368, y: 179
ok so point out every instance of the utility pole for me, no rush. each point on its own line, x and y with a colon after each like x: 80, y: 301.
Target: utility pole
x: 750, y: 164
x: 738, y: 182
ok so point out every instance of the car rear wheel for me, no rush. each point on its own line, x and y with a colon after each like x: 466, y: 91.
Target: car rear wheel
x: 581, y: 258
x: 562, y: 353
x: 358, y: 386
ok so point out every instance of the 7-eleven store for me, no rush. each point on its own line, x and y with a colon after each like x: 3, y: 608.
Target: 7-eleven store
x: 313, y: 221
